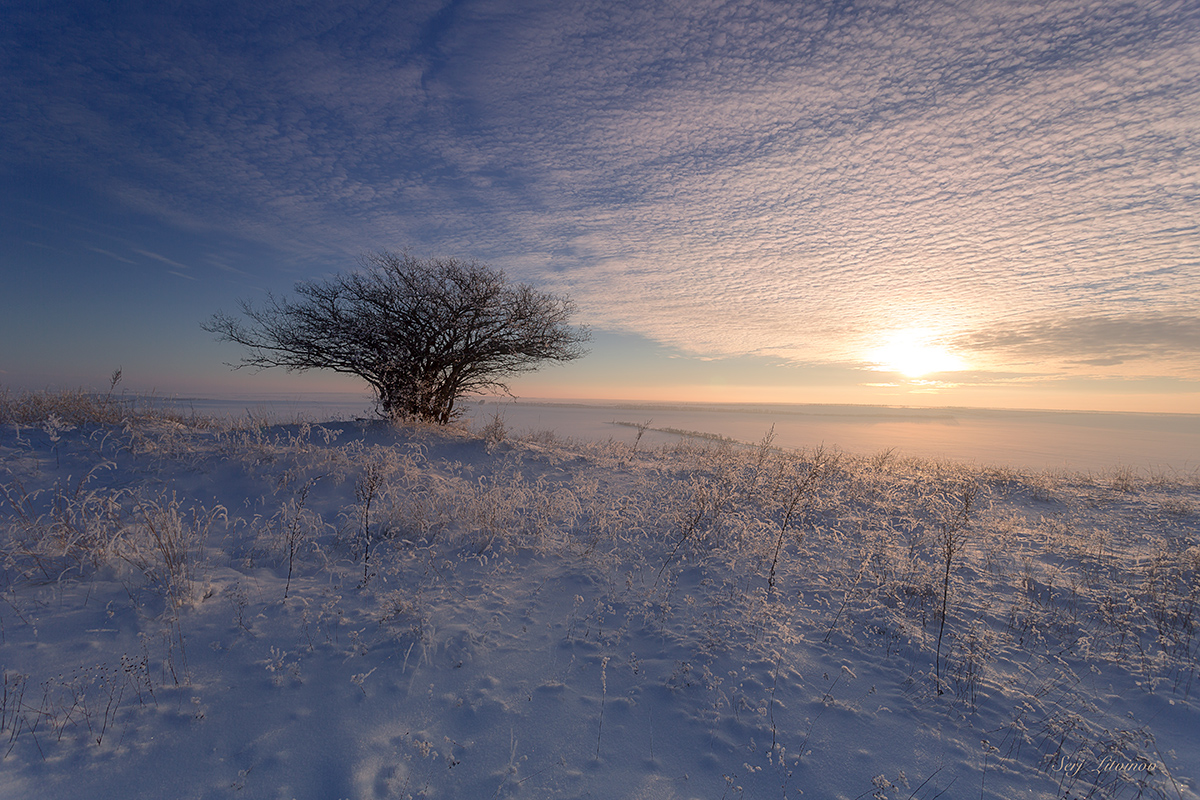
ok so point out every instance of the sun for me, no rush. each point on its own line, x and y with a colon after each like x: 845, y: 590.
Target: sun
x: 912, y: 355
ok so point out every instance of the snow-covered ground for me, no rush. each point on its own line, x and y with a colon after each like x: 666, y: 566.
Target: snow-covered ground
x: 361, y: 611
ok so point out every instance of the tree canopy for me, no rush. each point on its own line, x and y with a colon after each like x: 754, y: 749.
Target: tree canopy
x: 421, y: 332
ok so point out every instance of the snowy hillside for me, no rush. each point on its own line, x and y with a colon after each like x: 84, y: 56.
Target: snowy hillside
x: 193, y: 609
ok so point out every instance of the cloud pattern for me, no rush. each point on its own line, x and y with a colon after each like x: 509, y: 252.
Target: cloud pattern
x: 770, y: 178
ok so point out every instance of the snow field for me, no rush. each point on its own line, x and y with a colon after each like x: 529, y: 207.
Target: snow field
x: 358, y: 610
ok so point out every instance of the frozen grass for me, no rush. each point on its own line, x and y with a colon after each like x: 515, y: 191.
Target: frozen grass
x: 78, y: 407
x: 353, y: 609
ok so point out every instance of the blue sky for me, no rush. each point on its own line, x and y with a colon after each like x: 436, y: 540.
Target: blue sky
x: 927, y: 203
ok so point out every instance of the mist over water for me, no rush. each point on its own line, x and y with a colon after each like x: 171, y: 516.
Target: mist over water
x: 312, y: 406
x: 1082, y: 441
x: 1074, y: 440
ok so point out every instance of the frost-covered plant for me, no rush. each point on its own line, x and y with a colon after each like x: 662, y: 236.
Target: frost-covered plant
x: 366, y: 490
x: 166, y: 542
x: 954, y: 510
x: 296, y: 526
x: 494, y: 432
x: 795, y: 484
x: 61, y: 530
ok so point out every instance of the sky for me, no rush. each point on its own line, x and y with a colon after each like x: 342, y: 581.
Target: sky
x: 916, y: 203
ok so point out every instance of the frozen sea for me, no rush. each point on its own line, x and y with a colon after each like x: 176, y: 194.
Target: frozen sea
x: 1070, y: 440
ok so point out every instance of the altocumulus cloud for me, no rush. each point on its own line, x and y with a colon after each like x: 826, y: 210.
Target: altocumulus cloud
x: 784, y: 179
x: 1142, y: 343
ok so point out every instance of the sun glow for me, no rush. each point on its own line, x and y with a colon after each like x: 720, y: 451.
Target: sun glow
x: 911, y: 354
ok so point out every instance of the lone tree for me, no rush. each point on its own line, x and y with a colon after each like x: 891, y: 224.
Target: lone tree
x: 421, y: 332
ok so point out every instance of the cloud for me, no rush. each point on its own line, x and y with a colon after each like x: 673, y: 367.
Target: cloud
x: 789, y: 180
x: 162, y: 258
x: 1145, y: 344
x: 111, y: 255
x: 897, y: 168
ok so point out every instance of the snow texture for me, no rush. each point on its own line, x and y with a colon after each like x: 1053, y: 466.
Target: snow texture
x: 356, y: 610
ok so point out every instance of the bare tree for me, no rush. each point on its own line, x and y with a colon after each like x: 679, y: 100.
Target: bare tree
x: 421, y: 332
